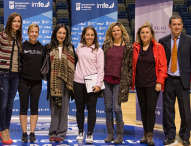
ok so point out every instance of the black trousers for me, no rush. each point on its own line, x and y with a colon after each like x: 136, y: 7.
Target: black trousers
x: 83, y: 98
x: 32, y: 89
x: 147, y: 97
x: 173, y: 89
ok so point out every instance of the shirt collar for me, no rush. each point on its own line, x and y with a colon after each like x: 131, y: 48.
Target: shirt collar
x: 92, y: 46
x: 174, y: 36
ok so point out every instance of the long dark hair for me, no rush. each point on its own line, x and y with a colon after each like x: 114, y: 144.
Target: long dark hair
x: 8, y: 28
x: 54, y: 42
x: 83, y: 41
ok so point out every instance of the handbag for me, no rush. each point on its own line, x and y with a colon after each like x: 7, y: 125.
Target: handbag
x: 45, y: 67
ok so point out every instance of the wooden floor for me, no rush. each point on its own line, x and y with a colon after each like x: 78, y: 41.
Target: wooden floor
x: 129, y: 115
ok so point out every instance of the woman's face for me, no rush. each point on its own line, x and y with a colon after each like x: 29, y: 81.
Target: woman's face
x: 145, y: 34
x: 16, y: 24
x: 61, y: 35
x: 33, y: 34
x: 116, y: 32
x: 89, y: 37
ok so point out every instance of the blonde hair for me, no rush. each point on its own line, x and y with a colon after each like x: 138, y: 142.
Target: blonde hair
x: 31, y: 26
x: 138, y: 38
x: 109, y: 38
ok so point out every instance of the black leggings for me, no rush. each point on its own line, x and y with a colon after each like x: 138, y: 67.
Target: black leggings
x: 33, y: 89
x: 90, y: 99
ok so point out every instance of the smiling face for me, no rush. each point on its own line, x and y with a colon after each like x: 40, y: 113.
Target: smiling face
x: 89, y: 37
x: 16, y: 24
x: 176, y: 27
x: 33, y: 34
x: 146, y: 35
x: 61, y: 35
x: 116, y: 32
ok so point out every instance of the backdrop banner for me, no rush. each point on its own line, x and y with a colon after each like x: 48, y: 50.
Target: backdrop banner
x: 39, y: 12
x: 157, y: 14
x: 99, y: 14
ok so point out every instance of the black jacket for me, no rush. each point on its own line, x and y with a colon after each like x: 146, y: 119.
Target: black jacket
x: 31, y: 60
x: 184, y: 56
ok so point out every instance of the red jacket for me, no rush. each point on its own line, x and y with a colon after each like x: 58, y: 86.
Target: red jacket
x: 160, y: 63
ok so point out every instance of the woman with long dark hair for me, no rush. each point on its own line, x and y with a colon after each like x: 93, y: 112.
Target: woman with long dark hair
x: 90, y: 61
x: 60, y: 81
x: 10, y: 44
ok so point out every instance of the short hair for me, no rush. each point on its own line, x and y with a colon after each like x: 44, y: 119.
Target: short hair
x: 31, y: 26
x: 95, y: 36
x: 175, y: 17
x: 109, y: 37
x: 138, y: 38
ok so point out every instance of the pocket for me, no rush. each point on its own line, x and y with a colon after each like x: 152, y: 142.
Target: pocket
x: 188, y: 70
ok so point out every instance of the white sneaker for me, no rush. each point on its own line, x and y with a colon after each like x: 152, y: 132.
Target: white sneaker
x: 89, y: 138
x: 80, y: 136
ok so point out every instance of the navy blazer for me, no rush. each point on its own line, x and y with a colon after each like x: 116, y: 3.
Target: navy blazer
x: 184, y: 56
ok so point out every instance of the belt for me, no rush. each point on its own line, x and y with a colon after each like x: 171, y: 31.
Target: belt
x: 174, y: 77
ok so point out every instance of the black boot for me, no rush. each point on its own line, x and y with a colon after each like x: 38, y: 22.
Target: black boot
x: 119, y: 130
x: 110, y: 131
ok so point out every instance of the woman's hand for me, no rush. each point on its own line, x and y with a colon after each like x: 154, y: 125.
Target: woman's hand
x: 96, y: 89
x: 158, y: 87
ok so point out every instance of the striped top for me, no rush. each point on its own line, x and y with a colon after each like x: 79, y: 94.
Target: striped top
x: 7, y: 61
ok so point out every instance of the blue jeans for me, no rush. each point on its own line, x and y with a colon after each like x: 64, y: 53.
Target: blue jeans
x: 111, y: 93
x: 9, y: 84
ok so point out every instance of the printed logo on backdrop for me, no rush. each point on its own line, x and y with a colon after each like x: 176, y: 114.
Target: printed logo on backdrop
x: 158, y: 28
x: 11, y: 5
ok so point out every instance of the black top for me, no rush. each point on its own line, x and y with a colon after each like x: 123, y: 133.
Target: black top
x: 145, y: 71
x: 31, y: 61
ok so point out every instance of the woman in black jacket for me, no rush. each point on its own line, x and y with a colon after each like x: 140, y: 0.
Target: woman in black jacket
x: 30, y: 80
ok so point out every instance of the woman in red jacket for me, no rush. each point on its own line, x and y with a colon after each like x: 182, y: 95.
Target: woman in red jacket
x: 149, y: 73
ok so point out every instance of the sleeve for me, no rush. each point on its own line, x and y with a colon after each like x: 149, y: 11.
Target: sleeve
x: 100, y: 67
x: 162, y: 65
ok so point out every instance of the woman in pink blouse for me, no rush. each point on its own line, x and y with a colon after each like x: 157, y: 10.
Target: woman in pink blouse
x: 90, y: 61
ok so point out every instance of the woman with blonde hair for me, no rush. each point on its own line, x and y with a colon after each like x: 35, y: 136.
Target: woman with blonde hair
x: 10, y: 48
x: 30, y: 80
x: 118, y: 69
x: 149, y: 73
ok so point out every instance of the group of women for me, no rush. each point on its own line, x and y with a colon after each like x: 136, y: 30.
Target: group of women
x: 118, y: 65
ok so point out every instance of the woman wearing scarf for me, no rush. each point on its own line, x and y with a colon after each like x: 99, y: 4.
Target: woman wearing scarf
x: 60, y: 81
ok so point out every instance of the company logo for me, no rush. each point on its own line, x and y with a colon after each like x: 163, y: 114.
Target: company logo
x: 74, y: 28
x: 45, y: 22
x: 45, y: 31
x: 47, y: 27
x: 82, y: 28
x: 99, y: 33
x: 100, y: 23
x: 26, y: 22
x: 78, y: 6
x: 26, y: 37
x: 104, y: 5
x: 82, y: 24
x: 74, y: 38
x: 79, y: 33
x: 100, y: 44
x: 101, y: 38
x: 11, y: 4
x: 91, y: 23
x: 47, y: 37
x: 36, y: 22
x: 73, y: 33
x: 108, y: 23
x: 39, y: 4
x: 45, y: 41
x: 102, y: 28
